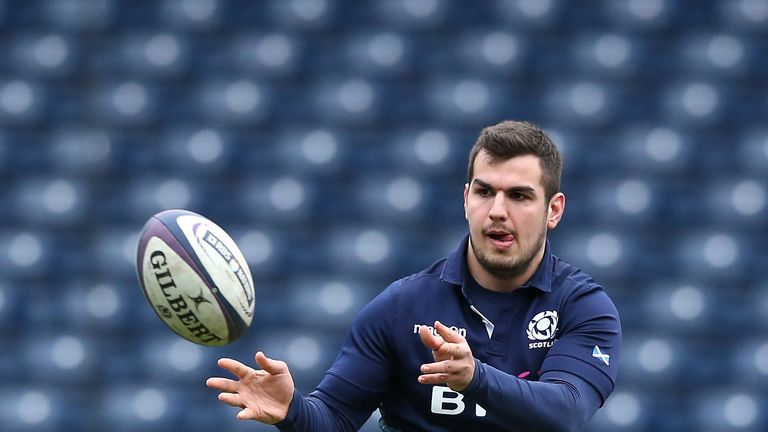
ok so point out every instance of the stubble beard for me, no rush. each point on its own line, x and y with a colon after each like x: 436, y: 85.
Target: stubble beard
x: 509, y: 267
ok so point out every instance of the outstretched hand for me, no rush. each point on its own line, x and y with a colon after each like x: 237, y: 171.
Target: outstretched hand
x: 454, y: 364
x: 262, y: 395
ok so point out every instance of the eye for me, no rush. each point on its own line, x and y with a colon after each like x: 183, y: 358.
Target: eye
x: 517, y: 196
x: 483, y: 192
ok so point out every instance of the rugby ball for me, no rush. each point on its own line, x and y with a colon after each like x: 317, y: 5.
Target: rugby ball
x: 195, y: 277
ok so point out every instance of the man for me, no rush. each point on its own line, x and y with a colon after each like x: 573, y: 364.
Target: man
x: 499, y: 336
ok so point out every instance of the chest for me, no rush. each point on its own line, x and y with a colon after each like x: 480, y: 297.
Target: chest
x: 504, y: 344
x: 513, y: 337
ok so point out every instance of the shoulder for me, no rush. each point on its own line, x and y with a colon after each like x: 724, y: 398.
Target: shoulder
x: 417, y: 283
x: 404, y: 290
x: 569, y: 279
x: 578, y: 289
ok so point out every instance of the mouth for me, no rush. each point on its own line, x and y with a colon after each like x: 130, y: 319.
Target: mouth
x: 500, y: 238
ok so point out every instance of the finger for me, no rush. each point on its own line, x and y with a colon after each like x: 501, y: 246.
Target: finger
x: 232, y: 399
x: 273, y: 367
x: 222, y: 384
x: 246, y: 414
x: 238, y: 369
x: 447, y: 334
x: 443, y: 367
x: 433, y: 379
x: 427, y: 338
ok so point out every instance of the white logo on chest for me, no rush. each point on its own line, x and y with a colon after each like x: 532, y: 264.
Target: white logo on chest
x: 542, y: 329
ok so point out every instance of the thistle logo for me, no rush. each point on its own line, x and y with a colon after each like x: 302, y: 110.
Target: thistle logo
x: 542, y: 329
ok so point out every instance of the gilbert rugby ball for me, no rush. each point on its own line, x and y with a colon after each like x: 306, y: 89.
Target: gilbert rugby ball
x: 195, y: 277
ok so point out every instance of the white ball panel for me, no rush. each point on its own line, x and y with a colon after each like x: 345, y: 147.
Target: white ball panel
x: 181, y: 298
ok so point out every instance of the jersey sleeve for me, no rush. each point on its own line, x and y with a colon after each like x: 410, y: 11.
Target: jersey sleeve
x: 589, y: 341
x: 577, y: 374
x: 359, y: 378
x: 559, y: 402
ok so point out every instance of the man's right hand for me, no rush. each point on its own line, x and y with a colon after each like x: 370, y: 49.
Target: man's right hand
x: 262, y: 395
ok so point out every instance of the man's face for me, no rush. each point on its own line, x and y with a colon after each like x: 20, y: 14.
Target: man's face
x: 508, y: 217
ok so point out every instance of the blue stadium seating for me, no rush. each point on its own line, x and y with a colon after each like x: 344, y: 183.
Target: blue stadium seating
x: 743, y: 16
x: 330, y: 140
x: 41, y: 408
x: 277, y: 55
x: 718, y: 56
x: 47, y: 55
x: 77, y: 15
x: 724, y: 408
x: 753, y: 151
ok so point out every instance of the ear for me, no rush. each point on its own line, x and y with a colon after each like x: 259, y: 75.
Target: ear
x: 466, y: 194
x: 555, y: 210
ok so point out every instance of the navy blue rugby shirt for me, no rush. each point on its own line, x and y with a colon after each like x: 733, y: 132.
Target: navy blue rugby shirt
x: 548, y: 365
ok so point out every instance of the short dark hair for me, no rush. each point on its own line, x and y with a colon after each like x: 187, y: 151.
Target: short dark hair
x: 510, y: 139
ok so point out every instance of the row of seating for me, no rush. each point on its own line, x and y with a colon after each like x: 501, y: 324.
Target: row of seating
x: 212, y: 15
x: 282, y: 56
x: 319, y: 152
x: 243, y: 102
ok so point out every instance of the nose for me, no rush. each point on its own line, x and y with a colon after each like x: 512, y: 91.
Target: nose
x: 498, y: 210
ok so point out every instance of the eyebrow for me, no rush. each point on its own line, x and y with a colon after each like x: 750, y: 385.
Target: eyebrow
x: 515, y: 189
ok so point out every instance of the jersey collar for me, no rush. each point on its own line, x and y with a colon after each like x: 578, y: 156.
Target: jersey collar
x: 455, y: 269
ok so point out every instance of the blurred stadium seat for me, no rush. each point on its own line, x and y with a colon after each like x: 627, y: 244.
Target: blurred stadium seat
x: 303, y: 14
x: 747, y: 16
x: 724, y: 408
x: 278, y: 55
x: 413, y: 14
x: 464, y: 100
x: 38, y: 408
x: 330, y: 140
x: 384, y: 54
x: 49, y: 55
x: 753, y: 151
x: 717, y: 55
x: 191, y: 15
x: 148, y: 407
x: 233, y: 100
x: 75, y: 15
x: 611, y: 55
x: 529, y: 14
x: 126, y: 103
x: 147, y: 54
x: 22, y: 101
x: 645, y: 16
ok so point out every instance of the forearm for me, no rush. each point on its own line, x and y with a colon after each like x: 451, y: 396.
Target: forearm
x: 335, y: 405
x: 533, y: 406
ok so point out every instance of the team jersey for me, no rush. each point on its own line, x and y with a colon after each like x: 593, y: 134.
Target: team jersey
x: 559, y: 327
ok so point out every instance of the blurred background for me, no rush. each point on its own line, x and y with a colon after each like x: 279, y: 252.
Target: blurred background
x: 330, y: 139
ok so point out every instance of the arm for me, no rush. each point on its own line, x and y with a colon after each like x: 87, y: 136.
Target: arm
x: 573, y: 385
x: 312, y: 413
x: 530, y: 405
x: 345, y: 398
x: 269, y: 396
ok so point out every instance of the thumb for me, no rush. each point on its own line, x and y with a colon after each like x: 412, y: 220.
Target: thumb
x: 273, y: 367
x: 245, y: 414
x: 447, y: 334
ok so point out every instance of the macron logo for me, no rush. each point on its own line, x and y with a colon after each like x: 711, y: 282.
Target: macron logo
x: 598, y: 354
x: 460, y: 330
